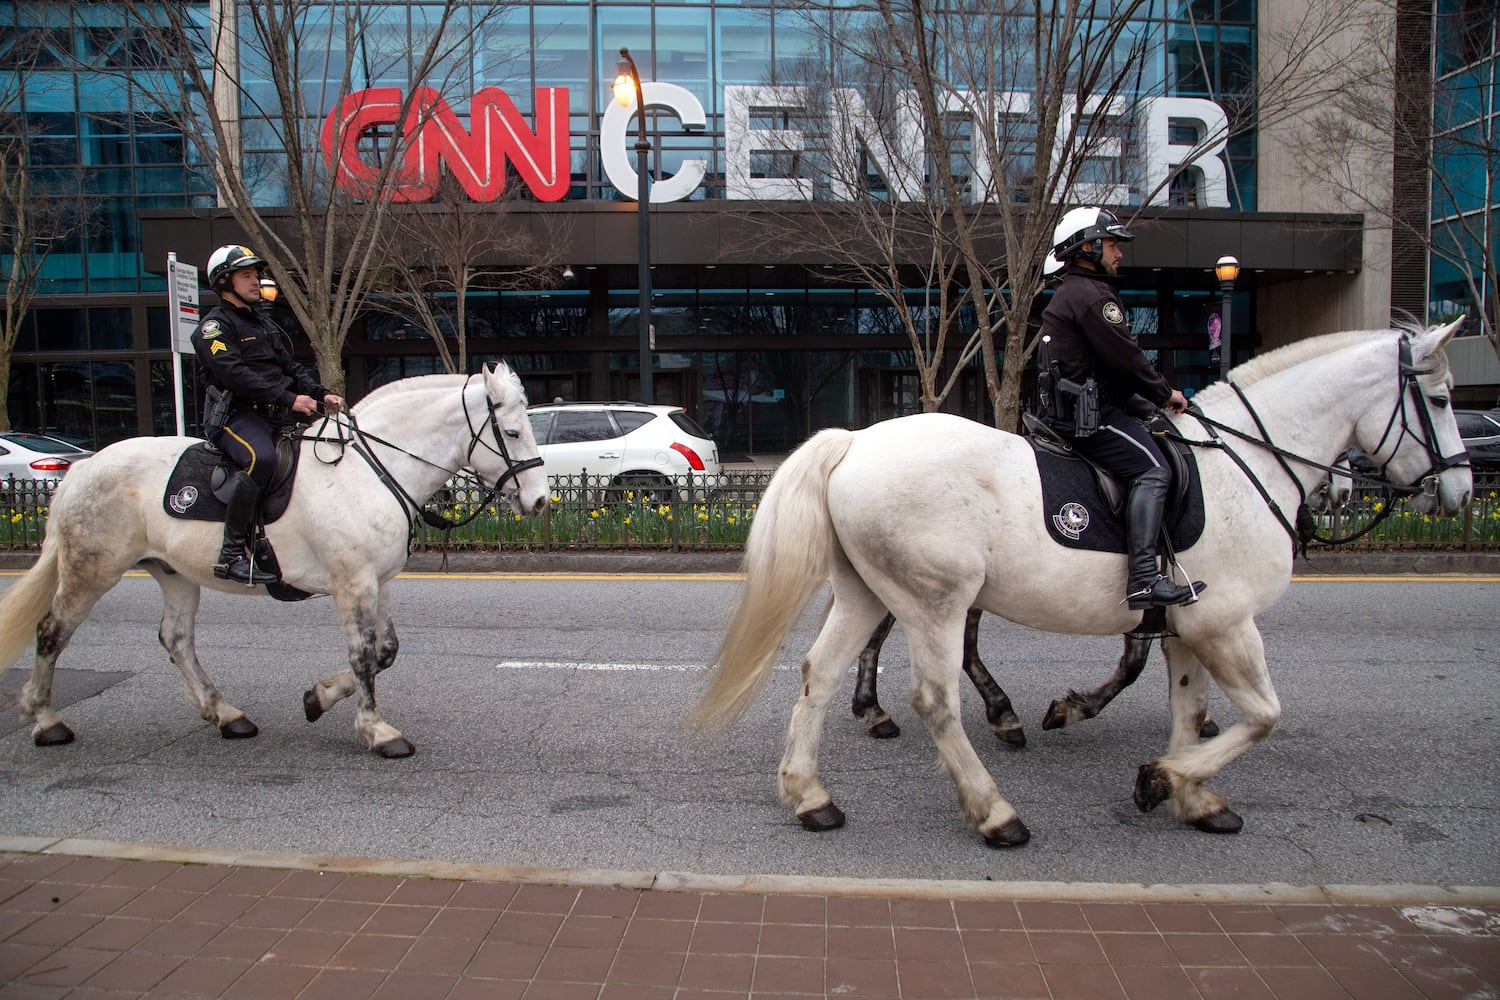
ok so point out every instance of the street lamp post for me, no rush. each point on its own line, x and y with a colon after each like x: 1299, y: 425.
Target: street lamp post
x: 1226, y: 270
x: 628, y: 88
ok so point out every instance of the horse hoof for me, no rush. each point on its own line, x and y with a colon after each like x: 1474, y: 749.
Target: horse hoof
x: 1223, y: 821
x: 1208, y: 730
x: 395, y: 749
x: 885, y: 729
x: 828, y: 817
x: 238, y: 729
x: 311, y: 707
x: 1011, y: 834
x: 1152, y: 787
x: 1013, y: 738
x: 54, y: 735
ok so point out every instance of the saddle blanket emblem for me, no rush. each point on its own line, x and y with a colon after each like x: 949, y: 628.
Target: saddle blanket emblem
x: 1072, y: 520
x: 183, y: 500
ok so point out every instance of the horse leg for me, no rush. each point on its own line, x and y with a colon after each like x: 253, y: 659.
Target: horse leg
x: 333, y: 689
x: 1077, y: 706
x: 854, y: 614
x: 366, y: 615
x: 997, y: 707
x: 934, y: 697
x: 75, y: 596
x: 180, y: 598
x: 878, y: 722
x: 1235, y: 658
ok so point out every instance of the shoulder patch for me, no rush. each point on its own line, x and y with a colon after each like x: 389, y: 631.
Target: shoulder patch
x: 211, y: 329
x: 1113, y: 313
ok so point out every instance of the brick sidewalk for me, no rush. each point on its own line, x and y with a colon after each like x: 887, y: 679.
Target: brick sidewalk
x: 91, y: 929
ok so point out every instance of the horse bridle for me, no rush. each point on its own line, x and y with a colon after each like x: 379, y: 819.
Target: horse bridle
x: 358, y: 439
x: 1407, y: 374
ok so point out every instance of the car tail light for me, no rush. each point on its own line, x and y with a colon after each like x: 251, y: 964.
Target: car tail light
x: 51, y: 465
x: 694, y: 461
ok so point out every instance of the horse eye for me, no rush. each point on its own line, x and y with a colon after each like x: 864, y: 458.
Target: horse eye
x: 512, y: 433
x: 1441, y: 402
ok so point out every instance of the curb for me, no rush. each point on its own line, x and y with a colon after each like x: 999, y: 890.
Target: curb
x: 1399, y: 894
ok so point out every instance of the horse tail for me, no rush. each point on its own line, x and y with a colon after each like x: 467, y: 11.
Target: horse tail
x: 25, y: 603
x: 786, y: 558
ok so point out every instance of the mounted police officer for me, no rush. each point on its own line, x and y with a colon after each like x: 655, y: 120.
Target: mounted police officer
x: 1093, y: 368
x: 254, y: 388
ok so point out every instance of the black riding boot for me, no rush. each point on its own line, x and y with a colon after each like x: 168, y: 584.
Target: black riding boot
x: 234, y: 563
x: 1147, y: 587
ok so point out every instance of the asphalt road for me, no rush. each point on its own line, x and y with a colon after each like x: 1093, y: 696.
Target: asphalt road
x: 548, y: 713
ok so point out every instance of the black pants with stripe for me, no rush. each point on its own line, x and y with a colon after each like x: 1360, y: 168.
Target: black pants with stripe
x: 249, y: 440
x: 1122, y: 445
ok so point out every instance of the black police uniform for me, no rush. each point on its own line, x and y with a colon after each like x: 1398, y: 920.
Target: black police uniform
x: 1086, y: 334
x: 247, y: 356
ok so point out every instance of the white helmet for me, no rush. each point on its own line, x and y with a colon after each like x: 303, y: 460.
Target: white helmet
x: 228, y: 259
x: 1085, y: 225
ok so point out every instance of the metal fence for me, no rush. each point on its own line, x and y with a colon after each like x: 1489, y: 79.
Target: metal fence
x: 714, y: 513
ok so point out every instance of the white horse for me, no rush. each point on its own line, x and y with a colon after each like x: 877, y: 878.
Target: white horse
x: 345, y: 533
x: 927, y: 516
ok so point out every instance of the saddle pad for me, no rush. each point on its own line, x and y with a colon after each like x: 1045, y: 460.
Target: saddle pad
x: 190, y: 497
x: 1078, y: 517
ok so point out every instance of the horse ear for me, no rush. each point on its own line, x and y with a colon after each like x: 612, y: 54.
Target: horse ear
x: 1425, y: 345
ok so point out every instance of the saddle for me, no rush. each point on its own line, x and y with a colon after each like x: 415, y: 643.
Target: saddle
x: 195, y: 491
x: 1083, y: 503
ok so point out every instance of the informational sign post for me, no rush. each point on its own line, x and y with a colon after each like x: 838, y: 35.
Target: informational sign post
x: 182, y: 303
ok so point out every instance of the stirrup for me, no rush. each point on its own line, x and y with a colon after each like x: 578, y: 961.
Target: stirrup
x: 1163, y: 592
x: 241, y: 570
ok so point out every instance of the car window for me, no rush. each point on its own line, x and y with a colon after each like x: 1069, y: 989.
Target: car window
x: 1476, y: 424
x: 4, y: 450
x: 588, y: 425
x: 539, y: 422
x: 690, y: 426
x: 44, y: 445
x: 629, y: 420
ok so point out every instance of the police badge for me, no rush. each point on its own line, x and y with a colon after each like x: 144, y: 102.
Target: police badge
x: 1113, y: 313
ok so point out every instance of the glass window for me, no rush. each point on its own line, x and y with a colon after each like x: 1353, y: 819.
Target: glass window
x: 109, y: 329
x: 743, y: 47
x: 61, y: 330
x: 561, y: 51
x: 582, y: 425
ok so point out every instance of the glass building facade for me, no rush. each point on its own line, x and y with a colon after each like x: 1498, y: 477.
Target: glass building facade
x: 1465, y: 200
x: 762, y: 354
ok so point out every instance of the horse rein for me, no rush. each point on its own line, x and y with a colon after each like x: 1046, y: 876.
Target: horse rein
x: 1304, y: 531
x: 358, y: 439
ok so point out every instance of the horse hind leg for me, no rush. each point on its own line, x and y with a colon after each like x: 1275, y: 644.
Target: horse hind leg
x: 998, y: 710
x: 934, y: 697
x: 866, y: 706
x: 74, y: 596
x: 853, y: 616
x: 180, y: 600
x: 1076, y: 706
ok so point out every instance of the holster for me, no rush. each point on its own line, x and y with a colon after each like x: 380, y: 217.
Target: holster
x: 1068, y: 406
x: 217, y: 404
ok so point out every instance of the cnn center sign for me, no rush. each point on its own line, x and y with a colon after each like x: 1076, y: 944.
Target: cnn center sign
x: 539, y: 152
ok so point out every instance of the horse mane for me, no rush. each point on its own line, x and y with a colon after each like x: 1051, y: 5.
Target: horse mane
x: 424, y: 383
x: 1265, y: 365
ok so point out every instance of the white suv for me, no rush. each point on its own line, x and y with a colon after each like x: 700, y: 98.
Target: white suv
x: 641, y: 449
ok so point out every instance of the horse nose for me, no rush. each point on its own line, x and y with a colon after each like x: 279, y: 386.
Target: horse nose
x: 539, y: 505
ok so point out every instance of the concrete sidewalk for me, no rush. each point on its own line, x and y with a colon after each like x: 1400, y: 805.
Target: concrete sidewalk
x: 92, y: 920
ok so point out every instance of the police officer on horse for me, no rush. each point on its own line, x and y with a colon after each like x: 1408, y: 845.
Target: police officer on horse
x: 254, y: 389
x: 1091, y: 369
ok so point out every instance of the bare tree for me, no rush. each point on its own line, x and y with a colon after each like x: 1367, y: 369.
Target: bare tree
x: 431, y: 258
x: 254, y: 89
x: 974, y: 126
